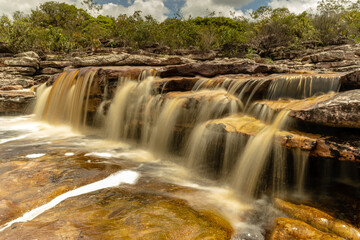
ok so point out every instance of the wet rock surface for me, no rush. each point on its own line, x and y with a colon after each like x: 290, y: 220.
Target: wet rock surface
x: 287, y: 228
x: 319, y: 219
x: 149, y: 209
x: 318, y: 145
x: 15, y: 102
x: 336, y: 110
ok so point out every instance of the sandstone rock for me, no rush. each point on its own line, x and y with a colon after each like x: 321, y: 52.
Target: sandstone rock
x: 50, y: 71
x: 15, y: 102
x: 149, y: 209
x: 30, y: 54
x: 55, y: 64
x: 38, y: 79
x: 357, y: 51
x: 249, y: 126
x: 336, y: 110
x: 211, y: 55
x: 105, y: 60
x: 317, y: 145
x: 9, y: 79
x: 23, y: 62
x: 351, y: 80
x: 141, y: 60
x: 319, y: 219
x: 331, y: 56
x: 213, y: 68
x: 26, y: 71
x: 339, y: 64
x: 126, y: 59
x: 290, y: 229
x: 11, y: 87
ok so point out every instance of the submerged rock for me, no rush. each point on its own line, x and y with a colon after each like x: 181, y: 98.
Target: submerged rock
x: 319, y: 219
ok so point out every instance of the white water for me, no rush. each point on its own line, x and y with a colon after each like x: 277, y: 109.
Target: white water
x: 129, y: 177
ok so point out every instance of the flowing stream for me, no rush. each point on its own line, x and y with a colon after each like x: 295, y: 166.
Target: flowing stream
x: 163, y: 144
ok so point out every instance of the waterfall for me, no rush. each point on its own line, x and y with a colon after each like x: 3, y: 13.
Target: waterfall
x: 182, y: 123
x: 67, y: 101
x: 246, y: 173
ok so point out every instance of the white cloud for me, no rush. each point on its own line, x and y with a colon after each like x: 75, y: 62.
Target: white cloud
x: 197, y: 8
x: 296, y: 6
x: 9, y: 7
x: 156, y: 8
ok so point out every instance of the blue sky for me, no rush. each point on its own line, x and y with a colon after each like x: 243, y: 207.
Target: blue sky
x: 162, y: 9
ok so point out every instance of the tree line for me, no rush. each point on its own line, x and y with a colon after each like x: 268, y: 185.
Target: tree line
x: 60, y: 27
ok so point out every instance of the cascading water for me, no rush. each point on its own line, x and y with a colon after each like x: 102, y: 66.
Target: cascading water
x: 213, y: 129
x: 139, y: 114
x: 246, y: 173
x: 67, y: 101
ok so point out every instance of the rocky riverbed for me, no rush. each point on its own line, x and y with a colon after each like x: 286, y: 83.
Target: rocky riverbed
x: 186, y: 120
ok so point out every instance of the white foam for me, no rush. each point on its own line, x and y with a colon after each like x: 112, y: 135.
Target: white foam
x: 35, y: 155
x: 13, y: 139
x: 100, y: 154
x: 125, y: 176
x: 69, y: 154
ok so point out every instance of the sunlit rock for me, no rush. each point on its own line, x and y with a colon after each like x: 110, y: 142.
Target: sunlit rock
x: 319, y: 219
x: 286, y: 229
x: 336, y: 110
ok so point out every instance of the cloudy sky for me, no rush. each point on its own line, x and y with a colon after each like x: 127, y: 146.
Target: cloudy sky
x: 161, y: 9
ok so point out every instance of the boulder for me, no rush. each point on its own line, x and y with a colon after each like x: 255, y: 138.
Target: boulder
x: 330, y: 56
x: 351, y: 80
x: 286, y: 229
x: 23, y: 62
x: 319, y: 219
x: 334, y: 109
x: 29, y: 54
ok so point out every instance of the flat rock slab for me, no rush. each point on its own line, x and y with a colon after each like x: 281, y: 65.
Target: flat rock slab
x: 149, y: 209
x: 16, y: 102
x: 125, y: 59
x: 219, y: 67
x: 317, y: 145
x: 335, y: 110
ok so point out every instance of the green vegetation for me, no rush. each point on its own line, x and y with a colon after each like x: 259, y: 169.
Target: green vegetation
x: 54, y: 27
